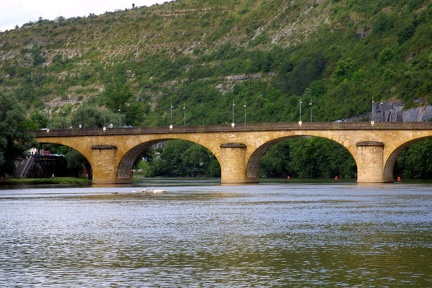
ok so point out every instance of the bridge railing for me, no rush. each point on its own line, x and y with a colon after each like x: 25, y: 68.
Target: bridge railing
x: 237, y: 128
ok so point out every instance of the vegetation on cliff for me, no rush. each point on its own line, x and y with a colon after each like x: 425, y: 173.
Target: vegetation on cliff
x: 203, y: 55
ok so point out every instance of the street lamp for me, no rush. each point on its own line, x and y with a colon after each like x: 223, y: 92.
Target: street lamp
x: 184, y: 115
x: 244, y: 106
x: 171, y: 116
x: 104, y: 126
x: 310, y: 107
x: 300, y: 121
x: 119, y: 111
x: 233, y: 122
x: 64, y: 120
x: 372, y: 112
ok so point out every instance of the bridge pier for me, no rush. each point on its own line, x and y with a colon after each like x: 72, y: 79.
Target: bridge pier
x: 103, y: 162
x: 370, y: 162
x: 234, y: 165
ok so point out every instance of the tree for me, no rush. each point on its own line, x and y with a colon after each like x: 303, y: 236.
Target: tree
x: 275, y: 163
x: 38, y: 59
x: 415, y: 161
x: 195, y: 160
x: 183, y: 158
x: 77, y: 162
x: 171, y: 158
x: 37, y: 120
x: 117, y: 95
x: 406, y: 32
x: 308, y: 157
x: 14, y: 141
x: 87, y: 117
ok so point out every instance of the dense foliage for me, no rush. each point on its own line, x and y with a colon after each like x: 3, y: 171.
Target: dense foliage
x: 14, y: 141
x: 308, y: 157
x: 203, y: 55
x: 304, y: 157
x: 415, y: 161
x: 180, y: 159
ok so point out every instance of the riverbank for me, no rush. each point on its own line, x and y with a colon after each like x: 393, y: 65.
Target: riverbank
x: 174, y: 181
x: 54, y: 180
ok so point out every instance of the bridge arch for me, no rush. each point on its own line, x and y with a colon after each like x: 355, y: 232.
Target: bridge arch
x: 71, y: 145
x: 126, y: 163
x: 255, y: 158
x: 393, y: 155
x: 124, y: 172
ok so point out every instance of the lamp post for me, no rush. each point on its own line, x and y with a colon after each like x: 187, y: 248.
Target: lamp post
x: 64, y: 120
x: 310, y: 107
x: 104, y: 126
x: 300, y: 118
x: 119, y: 111
x: 233, y: 122
x: 244, y: 106
x: 184, y: 115
x: 372, y: 112
x: 171, y: 116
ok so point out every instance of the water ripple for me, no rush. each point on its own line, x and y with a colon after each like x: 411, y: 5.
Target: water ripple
x: 242, y: 236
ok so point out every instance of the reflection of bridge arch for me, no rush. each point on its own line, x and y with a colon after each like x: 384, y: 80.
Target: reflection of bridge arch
x: 239, y: 149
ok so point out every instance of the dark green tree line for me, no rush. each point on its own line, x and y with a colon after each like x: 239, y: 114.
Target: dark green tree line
x: 14, y: 141
x: 180, y: 159
x: 415, y: 161
x: 308, y: 157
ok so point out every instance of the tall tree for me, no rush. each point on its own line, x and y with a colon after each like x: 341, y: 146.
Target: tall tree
x: 87, y: 117
x: 14, y: 141
x: 117, y: 93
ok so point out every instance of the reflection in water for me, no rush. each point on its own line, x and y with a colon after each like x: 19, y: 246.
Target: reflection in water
x: 344, y: 235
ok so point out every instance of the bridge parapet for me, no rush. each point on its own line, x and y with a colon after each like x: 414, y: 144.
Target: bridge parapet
x: 237, y: 128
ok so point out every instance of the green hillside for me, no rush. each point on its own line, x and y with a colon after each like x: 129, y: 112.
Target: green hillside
x: 130, y: 67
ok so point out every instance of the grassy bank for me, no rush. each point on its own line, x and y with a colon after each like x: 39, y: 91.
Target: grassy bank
x: 55, y: 180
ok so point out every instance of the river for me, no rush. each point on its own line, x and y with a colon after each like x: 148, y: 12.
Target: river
x: 208, y: 235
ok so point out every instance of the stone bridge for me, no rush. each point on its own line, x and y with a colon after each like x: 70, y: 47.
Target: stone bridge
x: 111, y: 152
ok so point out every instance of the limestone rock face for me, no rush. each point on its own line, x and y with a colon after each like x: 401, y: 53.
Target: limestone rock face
x: 389, y: 111
x: 419, y: 114
x: 393, y: 111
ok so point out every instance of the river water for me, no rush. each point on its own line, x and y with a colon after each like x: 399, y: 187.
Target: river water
x: 207, y: 235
